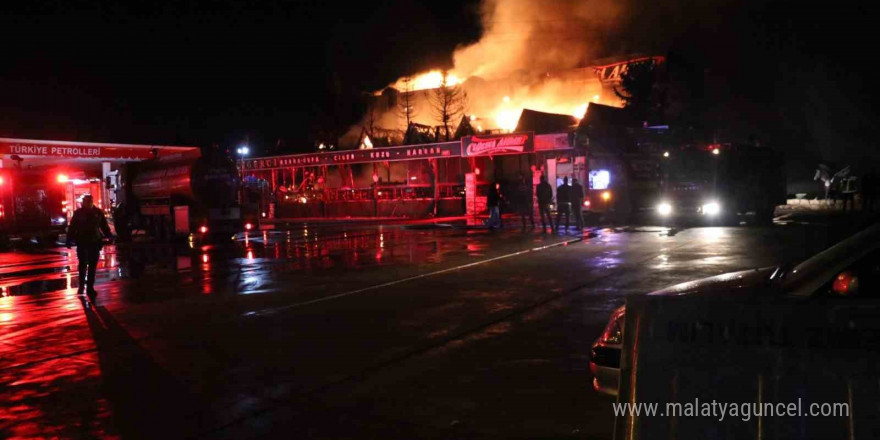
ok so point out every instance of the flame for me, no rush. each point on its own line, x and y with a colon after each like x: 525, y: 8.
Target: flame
x: 507, y: 119
x: 426, y: 81
x: 367, y: 144
x: 580, y: 111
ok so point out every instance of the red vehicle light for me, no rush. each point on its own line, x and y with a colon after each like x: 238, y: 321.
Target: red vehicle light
x: 248, y: 226
x: 587, y: 203
x: 845, y: 284
x: 203, y: 229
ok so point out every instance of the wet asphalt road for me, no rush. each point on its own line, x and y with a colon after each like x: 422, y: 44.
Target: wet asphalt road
x: 334, y: 331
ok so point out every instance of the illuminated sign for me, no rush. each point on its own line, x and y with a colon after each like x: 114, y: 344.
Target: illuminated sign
x: 409, y: 152
x: 85, y: 150
x: 514, y: 143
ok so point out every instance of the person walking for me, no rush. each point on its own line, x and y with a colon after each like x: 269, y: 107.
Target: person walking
x: 545, y: 197
x: 563, y: 203
x: 524, y: 201
x: 576, y: 195
x: 493, y: 202
x: 87, y: 231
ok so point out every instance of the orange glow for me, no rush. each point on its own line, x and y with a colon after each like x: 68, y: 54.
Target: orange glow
x: 62, y: 178
x: 581, y: 110
x: 606, y: 196
x: 427, y: 80
x: 507, y: 119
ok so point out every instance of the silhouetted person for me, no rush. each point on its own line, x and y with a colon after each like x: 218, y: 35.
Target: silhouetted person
x: 493, y: 202
x: 524, y: 199
x: 545, y: 197
x: 87, y: 230
x: 563, y: 203
x: 576, y: 195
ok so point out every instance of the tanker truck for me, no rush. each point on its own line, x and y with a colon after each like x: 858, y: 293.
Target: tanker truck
x: 178, y: 196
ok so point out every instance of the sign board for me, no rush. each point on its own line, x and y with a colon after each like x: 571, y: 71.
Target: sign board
x: 408, y: 152
x: 554, y: 141
x: 86, y: 150
x: 493, y: 145
x: 686, y: 352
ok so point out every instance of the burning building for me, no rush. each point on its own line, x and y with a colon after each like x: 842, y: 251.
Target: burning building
x: 490, y: 105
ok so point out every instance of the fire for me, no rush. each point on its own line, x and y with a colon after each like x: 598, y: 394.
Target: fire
x: 581, y: 110
x: 426, y: 81
x: 507, y: 119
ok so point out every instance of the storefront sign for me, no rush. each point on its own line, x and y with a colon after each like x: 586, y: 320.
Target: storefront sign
x: 409, y: 152
x: 514, y: 143
x: 25, y: 147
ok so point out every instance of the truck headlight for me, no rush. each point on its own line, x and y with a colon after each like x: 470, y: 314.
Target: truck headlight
x: 711, y: 208
x: 664, y: 208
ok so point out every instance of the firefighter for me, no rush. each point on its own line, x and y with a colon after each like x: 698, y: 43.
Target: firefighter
x: 87, y: 231
x: 563, y: 203
x: 545, y: 197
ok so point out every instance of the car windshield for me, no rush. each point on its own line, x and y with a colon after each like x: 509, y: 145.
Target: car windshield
x: 690, y: 166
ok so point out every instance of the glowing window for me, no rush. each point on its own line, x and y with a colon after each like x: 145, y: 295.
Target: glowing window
x: 600, y: 179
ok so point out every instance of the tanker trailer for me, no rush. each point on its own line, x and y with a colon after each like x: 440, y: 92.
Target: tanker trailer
x: 178, y: 197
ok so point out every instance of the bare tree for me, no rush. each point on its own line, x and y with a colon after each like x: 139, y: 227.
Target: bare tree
x: 406, y: 109
x: 448, y: 104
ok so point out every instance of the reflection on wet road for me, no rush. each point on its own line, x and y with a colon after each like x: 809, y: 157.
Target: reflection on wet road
x: 282, y: 331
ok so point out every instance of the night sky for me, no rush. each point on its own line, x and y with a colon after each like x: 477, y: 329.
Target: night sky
x: 197, y: 73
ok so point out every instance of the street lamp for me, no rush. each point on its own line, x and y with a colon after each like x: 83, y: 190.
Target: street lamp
x: 242, y: 152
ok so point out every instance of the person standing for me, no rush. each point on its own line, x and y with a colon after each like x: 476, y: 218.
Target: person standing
x: 545, y: 197
x: 563, y: 203
x: 87, y: 231
x: 524, y: 202
x: 576, y: 194
x: 493, y: 202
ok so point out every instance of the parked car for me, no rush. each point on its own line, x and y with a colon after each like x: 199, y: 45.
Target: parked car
x: 849, y: 269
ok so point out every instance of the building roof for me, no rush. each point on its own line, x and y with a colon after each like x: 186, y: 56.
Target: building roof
x: 541, y: 123
x: 606, y: 115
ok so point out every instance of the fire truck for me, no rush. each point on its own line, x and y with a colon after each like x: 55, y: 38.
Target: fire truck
x: 33, y: 204
x: 721, y: 182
